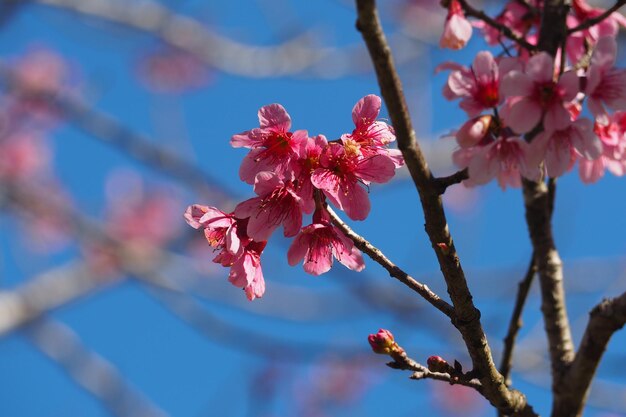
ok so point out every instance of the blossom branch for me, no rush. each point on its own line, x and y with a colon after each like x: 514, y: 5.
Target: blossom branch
x: 605, y: 319
x: 468, y: 317
x: 505, y: 30
x: 394, y: 271
x: 598, y: 19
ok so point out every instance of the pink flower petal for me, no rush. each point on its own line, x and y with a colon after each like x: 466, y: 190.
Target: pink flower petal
x: 523, y: 115
x: 366, y: 110
x: 275, y: 117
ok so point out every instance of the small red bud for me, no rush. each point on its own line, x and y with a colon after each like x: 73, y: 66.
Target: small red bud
x: 438, y: 364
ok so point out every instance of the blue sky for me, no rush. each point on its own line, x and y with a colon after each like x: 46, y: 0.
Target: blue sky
x: 184, y: 372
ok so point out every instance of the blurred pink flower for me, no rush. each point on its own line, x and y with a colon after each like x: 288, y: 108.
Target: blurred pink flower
x: 457, y: 30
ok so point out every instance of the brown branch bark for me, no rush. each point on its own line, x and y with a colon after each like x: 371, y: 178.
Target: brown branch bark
x: 468, y: 317
x: 394, y: 271
x: 539, y: 204
x: 402, y: 361
x: 605, y: 319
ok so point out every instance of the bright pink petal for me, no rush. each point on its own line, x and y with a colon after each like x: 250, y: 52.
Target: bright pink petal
x: 366, y: 110
x: 298, y: 248
x: 275, y: 117
x: 265, y: 182
x: 355, y: 201
x: 377, y: 168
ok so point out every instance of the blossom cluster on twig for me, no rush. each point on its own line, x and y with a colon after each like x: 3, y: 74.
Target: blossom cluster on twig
x: 294, y: 174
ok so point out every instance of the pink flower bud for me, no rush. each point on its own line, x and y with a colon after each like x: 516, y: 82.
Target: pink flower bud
x: 438, y: 364
x: 474, y: 131
x: 457, y: 29
x: 383, y: 342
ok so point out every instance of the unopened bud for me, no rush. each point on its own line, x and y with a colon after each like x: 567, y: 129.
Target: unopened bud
x: 439, y: 364
x: 383, y: 342
x: 474, y: 131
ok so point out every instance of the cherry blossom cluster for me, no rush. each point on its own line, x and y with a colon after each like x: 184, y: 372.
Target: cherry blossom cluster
x: 528, y: 116
x: 294, y: 174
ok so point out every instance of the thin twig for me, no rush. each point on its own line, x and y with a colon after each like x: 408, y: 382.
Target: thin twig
x: 403, y: 362
x: 468, y: 316
x: 515, y: 324
x: 505, y: 30
x: 598, y: 19
x: 394, y: 271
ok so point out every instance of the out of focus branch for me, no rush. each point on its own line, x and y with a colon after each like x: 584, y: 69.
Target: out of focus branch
x: 90, y: 370
x: 296, y: 56
x: 598, y: 19
x: 46, y: 292
x: 505, y: 30
x: 108, y: 130
x: 467, y: 315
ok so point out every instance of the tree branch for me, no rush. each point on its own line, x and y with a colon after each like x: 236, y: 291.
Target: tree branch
x: 598, y: 19
x: 539, y: 204
x: 468, y: 317
x: 605, y: 319
x: 515, y: 323
x: 442, y: 183
x: 505, y: 30
x: 403, y: 362
x: 394, y: 271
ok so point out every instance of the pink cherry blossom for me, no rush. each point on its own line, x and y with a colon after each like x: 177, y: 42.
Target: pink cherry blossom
x: 563, y: 147
x: 605, y: 84
x: 371, y: 136
x: 578, y: 42
x: 534, y: 94
x: 478, y: 86
x: 457, y: 30
x: 220, y: 229
x: 273, y: 146
x: 246, y: 271
x: 305, y: 166
x: 508, y: 159
x: 318, y: 243
x: 613, y: 138
x: 341, y: 169
x: 516, y: 17
x: 277, y: 204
